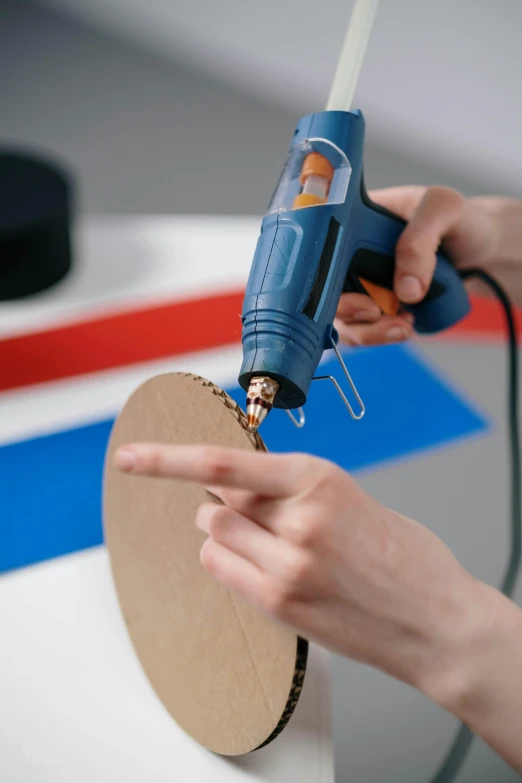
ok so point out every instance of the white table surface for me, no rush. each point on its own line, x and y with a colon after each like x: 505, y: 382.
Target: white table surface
x: 75, y: 706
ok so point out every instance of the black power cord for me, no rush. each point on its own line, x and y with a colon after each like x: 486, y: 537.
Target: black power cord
x: 464, y: 737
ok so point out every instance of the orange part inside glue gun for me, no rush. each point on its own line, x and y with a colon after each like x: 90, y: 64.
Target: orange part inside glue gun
x: 316, y: 175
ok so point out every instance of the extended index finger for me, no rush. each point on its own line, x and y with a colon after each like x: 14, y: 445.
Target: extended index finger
x: 272, y: 475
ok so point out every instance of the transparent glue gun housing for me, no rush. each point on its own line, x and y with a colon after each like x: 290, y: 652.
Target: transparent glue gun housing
x: 316, y: 172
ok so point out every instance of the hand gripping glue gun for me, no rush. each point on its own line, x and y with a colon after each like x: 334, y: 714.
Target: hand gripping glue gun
x: 321, y: 236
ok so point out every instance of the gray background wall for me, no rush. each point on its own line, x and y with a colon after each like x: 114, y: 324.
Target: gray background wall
x: 146, y: 134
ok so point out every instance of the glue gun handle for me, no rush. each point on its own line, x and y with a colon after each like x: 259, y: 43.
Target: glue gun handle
x: 373, y: 260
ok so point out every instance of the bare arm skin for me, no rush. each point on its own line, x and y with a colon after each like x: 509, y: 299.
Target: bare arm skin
x: 297, y: 537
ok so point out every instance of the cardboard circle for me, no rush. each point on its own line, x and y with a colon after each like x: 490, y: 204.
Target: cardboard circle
x: 229, y: 676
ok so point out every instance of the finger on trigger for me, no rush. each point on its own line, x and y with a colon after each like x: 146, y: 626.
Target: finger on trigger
x: 438, y: 212
x: 389, y: 329
x: 357, y: 307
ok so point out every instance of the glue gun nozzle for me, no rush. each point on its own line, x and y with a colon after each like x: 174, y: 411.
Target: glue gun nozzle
x: 253, y: 422
x: 260, y: 401
x: 256, y: 413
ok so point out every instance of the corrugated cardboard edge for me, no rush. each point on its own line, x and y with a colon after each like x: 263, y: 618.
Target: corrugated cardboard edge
x: 295, y: 690
x: 302, y: 644
x: 232, y: 406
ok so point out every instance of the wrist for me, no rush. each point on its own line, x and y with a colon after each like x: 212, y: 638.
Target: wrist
x: 479, y: 661
x: 505, y: 215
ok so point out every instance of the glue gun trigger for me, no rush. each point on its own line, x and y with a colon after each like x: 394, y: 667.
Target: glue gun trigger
x: 385, y: 299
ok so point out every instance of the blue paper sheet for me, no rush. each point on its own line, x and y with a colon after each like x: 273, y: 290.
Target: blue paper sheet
x: 50, y: 503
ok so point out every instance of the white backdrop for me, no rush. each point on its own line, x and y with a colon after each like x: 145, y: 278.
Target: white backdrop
x: 441, y: 77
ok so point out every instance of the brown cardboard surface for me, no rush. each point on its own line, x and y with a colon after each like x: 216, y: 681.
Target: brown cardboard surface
x: 229, y: 676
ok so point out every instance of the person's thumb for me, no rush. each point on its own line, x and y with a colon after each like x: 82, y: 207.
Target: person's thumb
x: 437, y: 214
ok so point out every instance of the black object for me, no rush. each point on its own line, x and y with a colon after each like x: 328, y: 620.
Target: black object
x: 35, y: 217
x: 321, y: 276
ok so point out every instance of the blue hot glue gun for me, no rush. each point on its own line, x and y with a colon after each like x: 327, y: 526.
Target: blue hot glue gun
x: 322, y: 236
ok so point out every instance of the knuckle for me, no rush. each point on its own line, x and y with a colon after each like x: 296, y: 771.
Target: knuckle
x: 298, y: 571
x: 412, y: 248
x: 273, y: 600
x: 290, y: 585
x: 305, y: 524
x: 328, y: 477
x: 215, y: 466
x: 277, y: 601
x: 446, y: 196
x: 304, y: 462
x: 304, y: 529
x: 302, y: 466
x: 155, y: 461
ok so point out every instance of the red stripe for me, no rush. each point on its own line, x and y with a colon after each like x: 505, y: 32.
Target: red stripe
x: 118, y: 340
x: 165, y: 330
x: 485, y: 322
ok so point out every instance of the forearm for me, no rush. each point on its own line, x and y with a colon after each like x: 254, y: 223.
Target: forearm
x: 483, y: 686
